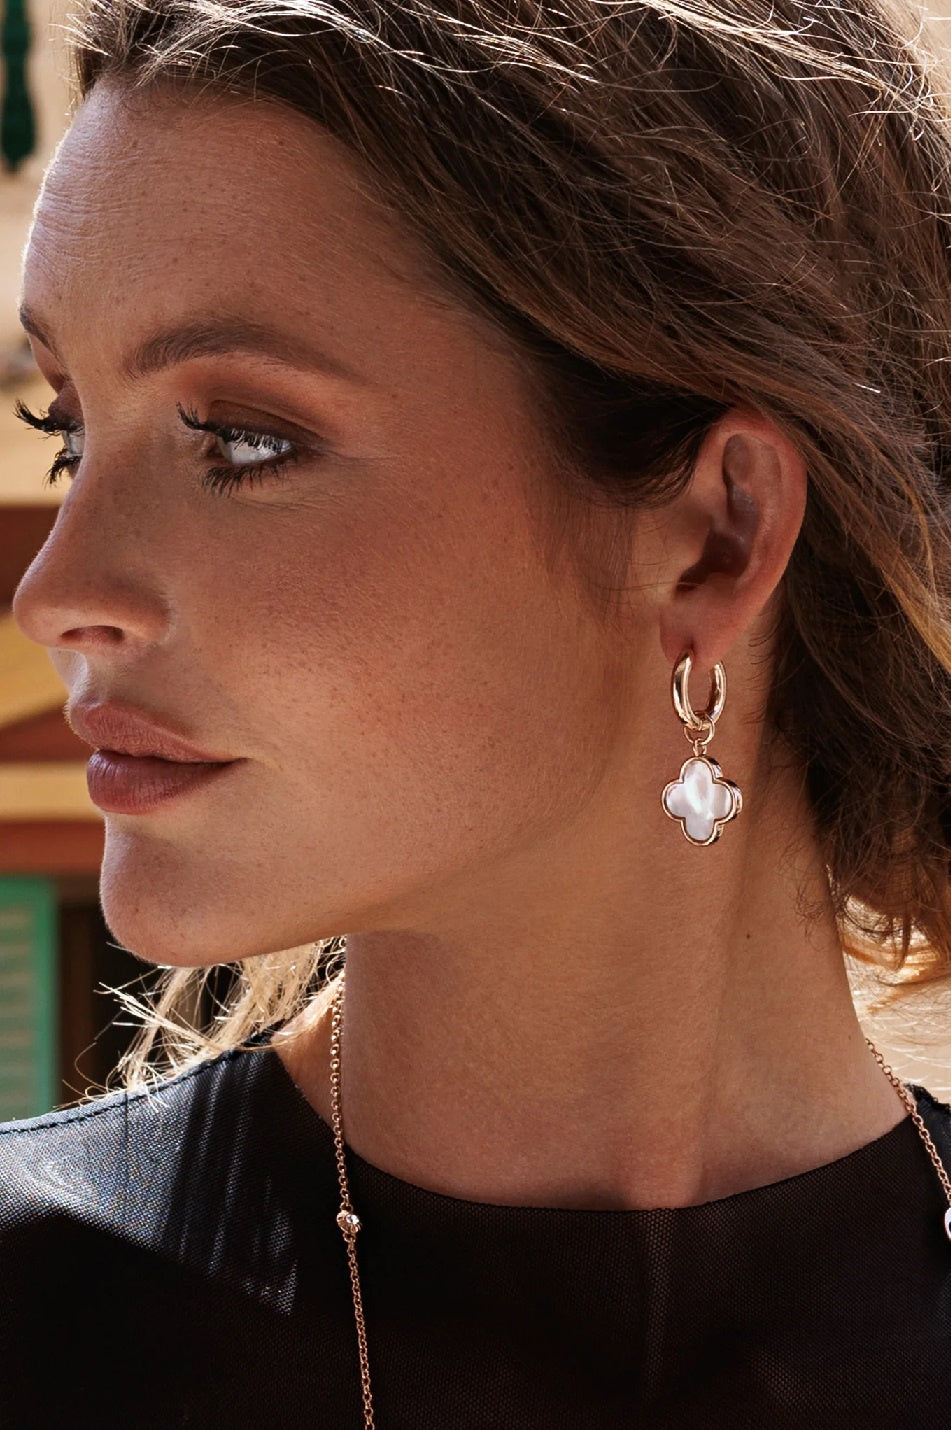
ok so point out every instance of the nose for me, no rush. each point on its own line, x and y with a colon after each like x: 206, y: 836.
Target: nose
x: 91, y: 588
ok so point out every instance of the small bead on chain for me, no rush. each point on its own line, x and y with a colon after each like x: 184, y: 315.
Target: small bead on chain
x: 347, y: 1219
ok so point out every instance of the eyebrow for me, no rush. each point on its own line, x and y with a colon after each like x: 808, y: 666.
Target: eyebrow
x: 218, y: 335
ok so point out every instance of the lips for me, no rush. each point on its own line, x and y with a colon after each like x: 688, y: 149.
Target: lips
x: 128, y: 731
x: 136, y: 784
x: 140, y: 763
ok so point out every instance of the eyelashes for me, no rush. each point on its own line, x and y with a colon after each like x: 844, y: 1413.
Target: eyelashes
x: 54, y: 424
x: 251, y: 469
x: 249, y: 460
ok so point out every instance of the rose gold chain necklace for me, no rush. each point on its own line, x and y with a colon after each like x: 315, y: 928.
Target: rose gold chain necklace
x: 350, y: 1224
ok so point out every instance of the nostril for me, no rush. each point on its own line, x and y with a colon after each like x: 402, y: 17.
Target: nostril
x: 89, y: 635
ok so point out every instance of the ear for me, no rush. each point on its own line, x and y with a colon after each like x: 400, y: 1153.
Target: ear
x: 728, y: 537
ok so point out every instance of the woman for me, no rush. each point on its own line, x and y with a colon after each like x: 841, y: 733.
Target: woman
x: 437, y: 385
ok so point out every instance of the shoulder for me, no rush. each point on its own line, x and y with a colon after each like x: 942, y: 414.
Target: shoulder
x: 180, y: 1202
x: 109, y: 1163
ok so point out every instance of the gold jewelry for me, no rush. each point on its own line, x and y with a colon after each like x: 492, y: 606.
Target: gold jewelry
x: 700, y: 798
x: 922, y: 1130
x: 350, y: 1224
x: 347, y: 1219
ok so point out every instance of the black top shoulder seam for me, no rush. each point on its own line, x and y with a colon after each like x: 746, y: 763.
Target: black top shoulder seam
x: 112, y: 1102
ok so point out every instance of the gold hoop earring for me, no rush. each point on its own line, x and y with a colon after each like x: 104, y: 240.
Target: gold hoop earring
x: 701, y: 800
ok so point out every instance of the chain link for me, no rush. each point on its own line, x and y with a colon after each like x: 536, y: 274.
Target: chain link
x: 916, y: 1118
x: 347, y: 1219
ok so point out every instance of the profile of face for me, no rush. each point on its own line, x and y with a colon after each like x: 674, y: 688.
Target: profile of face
x: 305, y: 529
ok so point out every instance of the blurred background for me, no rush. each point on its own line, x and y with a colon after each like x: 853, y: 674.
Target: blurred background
x: 58, y: 1036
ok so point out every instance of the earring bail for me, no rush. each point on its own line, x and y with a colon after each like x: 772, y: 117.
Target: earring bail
x: 680, y: 692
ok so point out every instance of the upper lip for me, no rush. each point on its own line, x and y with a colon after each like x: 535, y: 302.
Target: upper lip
x: 111, y: 726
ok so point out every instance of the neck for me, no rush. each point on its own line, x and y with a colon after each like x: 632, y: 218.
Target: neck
x: 588, y: 1041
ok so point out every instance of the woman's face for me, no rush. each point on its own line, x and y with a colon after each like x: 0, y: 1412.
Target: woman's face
x: 414, y: 695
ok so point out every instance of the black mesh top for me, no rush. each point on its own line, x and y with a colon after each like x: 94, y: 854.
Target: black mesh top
x: 172, y: 1259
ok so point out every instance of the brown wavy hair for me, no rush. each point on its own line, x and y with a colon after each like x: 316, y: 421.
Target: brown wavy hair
x: 672, y: 207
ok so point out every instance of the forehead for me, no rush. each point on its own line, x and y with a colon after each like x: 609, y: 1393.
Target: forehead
x: 167, y: 202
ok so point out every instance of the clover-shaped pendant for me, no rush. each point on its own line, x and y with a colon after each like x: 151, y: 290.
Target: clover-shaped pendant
x: 702, y: 800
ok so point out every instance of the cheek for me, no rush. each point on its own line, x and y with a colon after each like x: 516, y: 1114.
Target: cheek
x: 416, y: 698
x: 413, y: 666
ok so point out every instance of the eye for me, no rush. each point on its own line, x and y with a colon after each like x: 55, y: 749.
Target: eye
x: 251, y: 455
x: 250, y: 449
x: 74, y: 440
x: 56, y: 424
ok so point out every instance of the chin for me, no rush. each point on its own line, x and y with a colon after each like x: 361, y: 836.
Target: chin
x: 189, y: 909
x: 147, y: 928
x: 177, y: 911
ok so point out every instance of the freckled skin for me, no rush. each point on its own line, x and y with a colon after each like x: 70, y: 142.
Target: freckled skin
x: 417, y: 697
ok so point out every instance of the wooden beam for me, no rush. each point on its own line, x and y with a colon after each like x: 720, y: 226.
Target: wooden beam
x: 29, y: 684
x: 23, y: 530
x: 42, y: 792
x: 40, y: 739
x: 71, y: 847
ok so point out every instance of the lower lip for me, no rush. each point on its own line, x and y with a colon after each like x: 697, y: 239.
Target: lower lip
x: 135, y: 784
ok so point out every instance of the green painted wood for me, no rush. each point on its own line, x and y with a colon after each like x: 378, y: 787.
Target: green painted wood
x: 17, y: 118
x: 28, y: 1031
